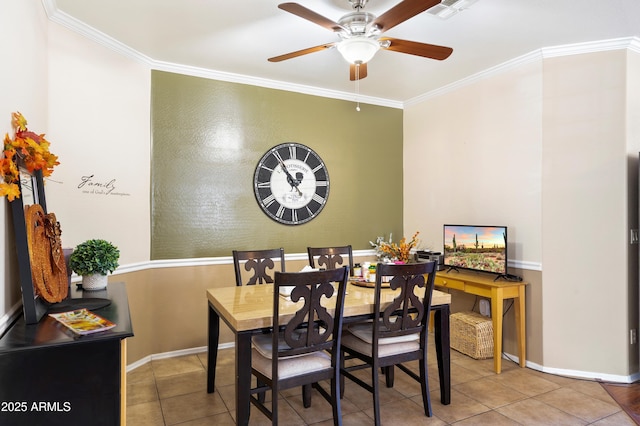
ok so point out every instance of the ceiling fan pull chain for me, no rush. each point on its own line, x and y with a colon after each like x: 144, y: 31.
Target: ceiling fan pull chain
x: 358, y: 87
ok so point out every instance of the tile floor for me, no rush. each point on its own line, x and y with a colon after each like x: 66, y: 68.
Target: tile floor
x: 173, y: 392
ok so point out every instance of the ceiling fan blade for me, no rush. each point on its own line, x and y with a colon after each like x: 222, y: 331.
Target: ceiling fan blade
x: 297, y: 53
x: 361, y: 73
x: 402, y: 11
x: 312, y: 16
x: 431, y: 51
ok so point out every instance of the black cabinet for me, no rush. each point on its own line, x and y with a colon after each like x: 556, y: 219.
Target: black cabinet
x: 51, y: 376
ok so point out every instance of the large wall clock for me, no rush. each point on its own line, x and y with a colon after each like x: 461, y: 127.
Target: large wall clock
x: 291, y: 183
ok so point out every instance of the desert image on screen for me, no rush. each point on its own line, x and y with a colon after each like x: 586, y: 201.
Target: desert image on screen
x: 476, y: 247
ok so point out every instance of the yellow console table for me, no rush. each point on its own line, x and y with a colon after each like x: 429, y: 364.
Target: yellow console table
x: 498, y: 291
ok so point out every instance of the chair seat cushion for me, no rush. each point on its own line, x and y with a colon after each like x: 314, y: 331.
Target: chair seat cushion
x: 352, y: 341
x: 291, y: 366
x: 263, y: 343
x: 364, y: 330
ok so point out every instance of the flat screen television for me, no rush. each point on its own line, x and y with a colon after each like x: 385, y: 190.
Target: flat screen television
x: 477, y: 248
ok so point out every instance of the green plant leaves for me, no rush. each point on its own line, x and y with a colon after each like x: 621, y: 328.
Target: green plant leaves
x: 94, y: 257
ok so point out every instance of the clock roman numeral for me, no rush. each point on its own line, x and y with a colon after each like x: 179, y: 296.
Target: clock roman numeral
x: 278, y: 156
x: 267, y: 201
x: 318, y: 198
x: 264, y: 184
x: 280, y: 212
x: 322, y: 183
x: 292, y: 151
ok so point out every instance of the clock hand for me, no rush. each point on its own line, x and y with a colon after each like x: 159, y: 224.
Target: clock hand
x: 293, y: 182
x: 284, y: 168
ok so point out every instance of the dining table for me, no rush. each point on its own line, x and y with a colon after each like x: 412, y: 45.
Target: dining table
x: 248, y: 310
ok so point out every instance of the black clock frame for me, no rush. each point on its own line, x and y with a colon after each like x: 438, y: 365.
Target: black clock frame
x: 264, y: 195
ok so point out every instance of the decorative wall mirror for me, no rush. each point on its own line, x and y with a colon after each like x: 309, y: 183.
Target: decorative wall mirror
x: 32, y: 192
x: 44, y: 273
x: 29, y: 187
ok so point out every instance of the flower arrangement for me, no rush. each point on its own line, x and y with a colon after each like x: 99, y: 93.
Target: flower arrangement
x: 380, y: 254
x: 26, y: 148
x: 388, y: 250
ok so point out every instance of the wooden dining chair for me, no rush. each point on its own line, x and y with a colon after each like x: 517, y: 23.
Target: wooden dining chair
x: 257, y: 264
x: 253, y: 267
x: 331, y: 257
x: 397, y: 334
x: 306, y: 348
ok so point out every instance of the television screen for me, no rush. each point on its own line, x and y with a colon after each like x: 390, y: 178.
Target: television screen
x: 479, y: 248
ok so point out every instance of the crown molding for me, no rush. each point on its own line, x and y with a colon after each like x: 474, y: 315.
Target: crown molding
x: 498, y: 69
x: 67, y: 21
x: 77, y: 26
x: 271, y: 84
x: 630, y: 43
x: 634, y: 46
x: 91, y: 33
x: 590, y: 47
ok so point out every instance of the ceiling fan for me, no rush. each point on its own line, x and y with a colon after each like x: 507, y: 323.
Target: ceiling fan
x: 360, y: 34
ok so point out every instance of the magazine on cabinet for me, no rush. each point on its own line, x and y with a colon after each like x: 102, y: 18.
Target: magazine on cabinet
x: 83, y: 321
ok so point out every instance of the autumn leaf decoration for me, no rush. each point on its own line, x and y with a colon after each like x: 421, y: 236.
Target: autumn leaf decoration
x: 401, y: 251
x: 27, y: 149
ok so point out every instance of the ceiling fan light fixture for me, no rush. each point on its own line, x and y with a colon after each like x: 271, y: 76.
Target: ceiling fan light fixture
x: 358, y: 50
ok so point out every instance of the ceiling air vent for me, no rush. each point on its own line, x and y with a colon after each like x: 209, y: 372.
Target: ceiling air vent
x: 447, y: 8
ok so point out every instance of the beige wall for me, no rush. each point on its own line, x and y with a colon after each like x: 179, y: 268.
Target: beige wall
x: 633, y: 190
x: 585, y: 229
x: 473, y: 156
x: 99, y: 128
x: 479, y: 150
x: 93, y: 105
x: 543, y: 148
x: 24, y: 88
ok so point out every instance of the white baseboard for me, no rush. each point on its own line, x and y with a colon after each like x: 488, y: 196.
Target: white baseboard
x: 173, y: 354
x: 574, y: 374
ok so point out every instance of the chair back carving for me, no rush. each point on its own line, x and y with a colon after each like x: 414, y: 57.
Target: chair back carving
x: 398, y: 333
x: 319, y: 318
x: 331, y: 257
x: 300, y: 338
x: 258, y: 264
x: 408, y: 312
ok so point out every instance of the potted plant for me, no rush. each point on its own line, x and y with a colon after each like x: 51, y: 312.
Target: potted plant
x: 93, y: 260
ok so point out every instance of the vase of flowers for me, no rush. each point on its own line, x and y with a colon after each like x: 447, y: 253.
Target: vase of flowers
x: 94, y: 259
x: 390, y: 251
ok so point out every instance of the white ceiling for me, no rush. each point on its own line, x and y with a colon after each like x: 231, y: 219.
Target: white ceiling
x: 234, y: 38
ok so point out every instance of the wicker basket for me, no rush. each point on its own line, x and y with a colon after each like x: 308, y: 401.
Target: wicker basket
x: 472, y: 334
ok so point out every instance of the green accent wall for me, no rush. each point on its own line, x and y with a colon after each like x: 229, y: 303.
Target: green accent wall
x: 208, y: 136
